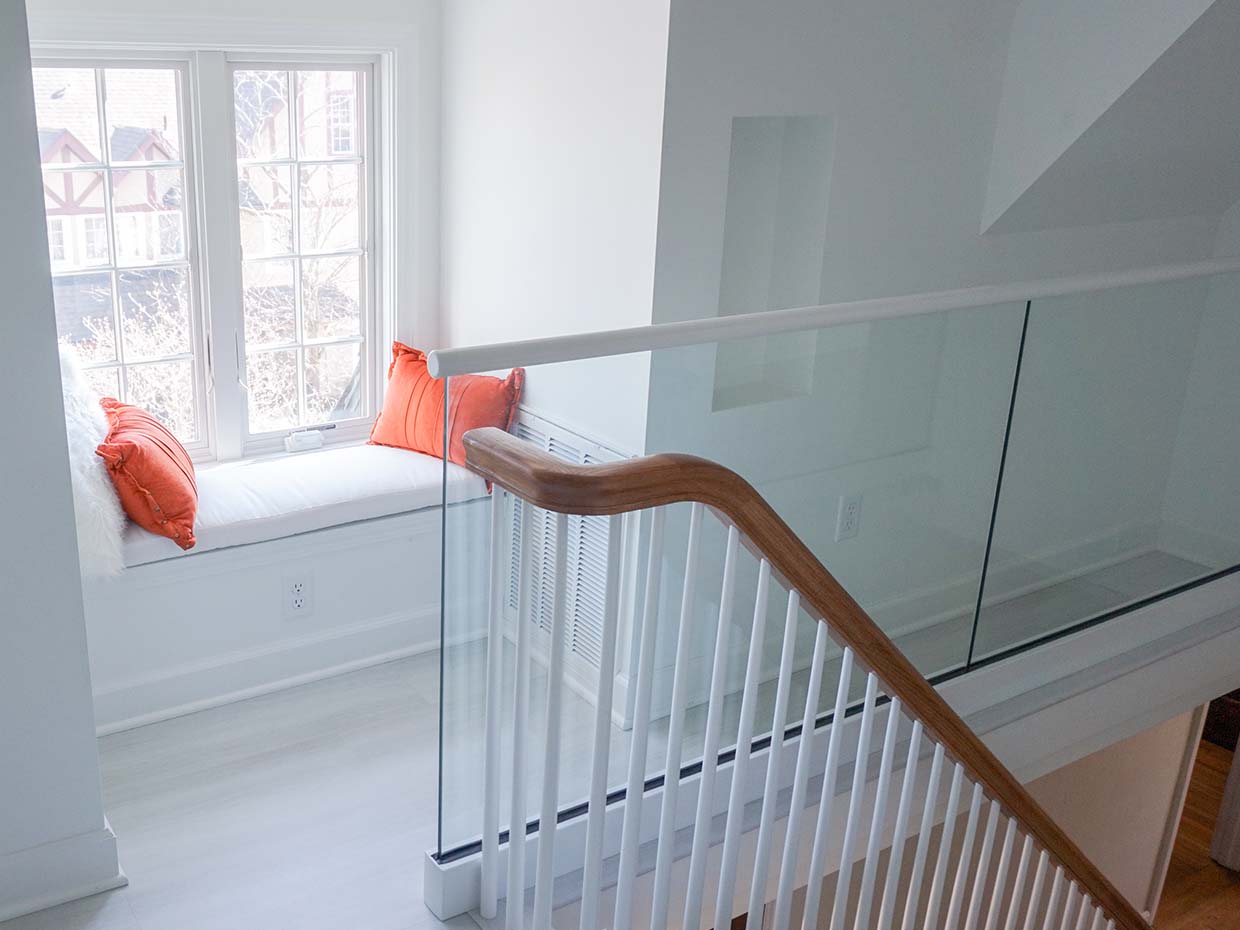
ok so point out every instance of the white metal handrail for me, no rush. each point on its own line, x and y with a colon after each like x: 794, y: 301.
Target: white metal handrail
x: 469, y: 359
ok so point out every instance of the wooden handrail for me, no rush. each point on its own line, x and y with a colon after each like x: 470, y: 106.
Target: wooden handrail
x: 656, y: 480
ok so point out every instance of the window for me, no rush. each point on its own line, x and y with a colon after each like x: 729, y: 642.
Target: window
x: 303, y: 245
x: 138, y: 234
x: 111, y: 147
x: 340, y: 122
x: 56, y: 239
x: 95, y: 239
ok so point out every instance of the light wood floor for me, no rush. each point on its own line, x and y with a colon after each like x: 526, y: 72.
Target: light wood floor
x: 310, y: 809
x: 1199, y: 894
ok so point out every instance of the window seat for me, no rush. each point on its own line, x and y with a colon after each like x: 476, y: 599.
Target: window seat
x: 262, y: 499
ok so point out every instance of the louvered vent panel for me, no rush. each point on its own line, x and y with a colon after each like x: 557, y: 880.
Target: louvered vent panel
x: 586, y: 557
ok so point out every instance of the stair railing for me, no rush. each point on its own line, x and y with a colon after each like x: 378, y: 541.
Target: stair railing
x: 1010, y: 867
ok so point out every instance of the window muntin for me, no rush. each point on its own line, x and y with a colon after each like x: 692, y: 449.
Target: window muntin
x: 305, y: 250
x: 126, y: 305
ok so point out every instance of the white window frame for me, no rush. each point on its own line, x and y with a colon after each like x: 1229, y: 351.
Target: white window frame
x: 346, y: 128
x: 212, y: 223
x: 87, y: 223
x: 57, y: 241
x: 202, y: 447
x: 357, y: 428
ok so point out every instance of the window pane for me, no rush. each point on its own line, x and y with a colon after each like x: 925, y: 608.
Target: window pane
x: 330, y: 217
x: 272, y: 381
x: 166, y: 391
x: 261, y: 104
x: 266, y: 200
x: 150, y: 222
x: 143, y: 116
x: 331, y: 297
x: 104, y: 381
x: 84, y: 314
x: 77, y: 223
x: 311, y: 213
x: 270, y: 311
x: 327, y: 114
x: 333, y: 383
x: 68, y: 115
x: 154, y: 312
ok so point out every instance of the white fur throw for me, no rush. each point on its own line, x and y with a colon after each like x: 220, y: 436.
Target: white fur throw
x: 100, y: 519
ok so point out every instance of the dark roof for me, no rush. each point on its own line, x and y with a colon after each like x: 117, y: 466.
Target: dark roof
x: 48, y: 139
x: 128, y: 142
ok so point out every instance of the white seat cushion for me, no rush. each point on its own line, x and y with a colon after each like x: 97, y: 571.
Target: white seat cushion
x: 261, y: 499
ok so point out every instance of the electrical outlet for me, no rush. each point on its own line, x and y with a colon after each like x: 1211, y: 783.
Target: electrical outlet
x: 848, y: 517
x: 298, y: 596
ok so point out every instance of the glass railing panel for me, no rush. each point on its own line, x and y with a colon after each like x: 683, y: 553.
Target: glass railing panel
x: 1119, y: 483
x: 905, y: 417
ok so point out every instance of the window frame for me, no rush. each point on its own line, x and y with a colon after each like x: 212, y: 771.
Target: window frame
x: 212, y: 221
x: 373, y: 330
x: 57, y: 241
x: 334, y: 98
x: 201, y: 448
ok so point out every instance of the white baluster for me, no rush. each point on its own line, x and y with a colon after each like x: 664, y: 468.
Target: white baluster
x: 826, y: 797
x: 856, y: 800
x: 1035, y: 896
x: 675, y: 730
x: 1018, y: 886
x: 800, y: 778
x: 1069, y: 907
x: 596, y: 819
x: 710, y: 741
x: 744, y: 745
x: 489, y: 902
x: 1052, y: 906
x: 544, y: 877
x: 1082, y: 919
x: 1001, y: 874
x: 983, y: 867
x: 886, y: 911
x: 965, y: 862
x: 1099, y: 918
x: 945, y: 849
x: 639, y: 743
x: 913, y: 897
x: 770, y: 792
x: 515, y: 906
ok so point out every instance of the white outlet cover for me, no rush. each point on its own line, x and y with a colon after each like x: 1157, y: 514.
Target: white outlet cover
x: 848, y: 517
x: 297, y: 596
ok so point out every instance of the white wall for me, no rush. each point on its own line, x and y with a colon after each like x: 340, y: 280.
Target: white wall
x: 1067, y: 62
x: 54, y: 842
x: 1121, y: 805
x: 910, y: 414
x: 1201, y: 506
x: 409, y: 30
x: 552, y: 115
x: 913, y: 93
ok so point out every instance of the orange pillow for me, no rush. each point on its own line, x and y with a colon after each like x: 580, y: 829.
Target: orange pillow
x: 153, y: 474
x: 412, y: 416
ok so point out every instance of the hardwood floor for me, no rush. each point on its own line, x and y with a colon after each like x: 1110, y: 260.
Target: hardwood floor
x: 1199, y: 894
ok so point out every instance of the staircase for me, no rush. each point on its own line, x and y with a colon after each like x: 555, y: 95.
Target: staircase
x: 898, y: 815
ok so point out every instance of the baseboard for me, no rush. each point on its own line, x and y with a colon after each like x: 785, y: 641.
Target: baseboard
x: 236, y: 676
x: 60, y: 871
